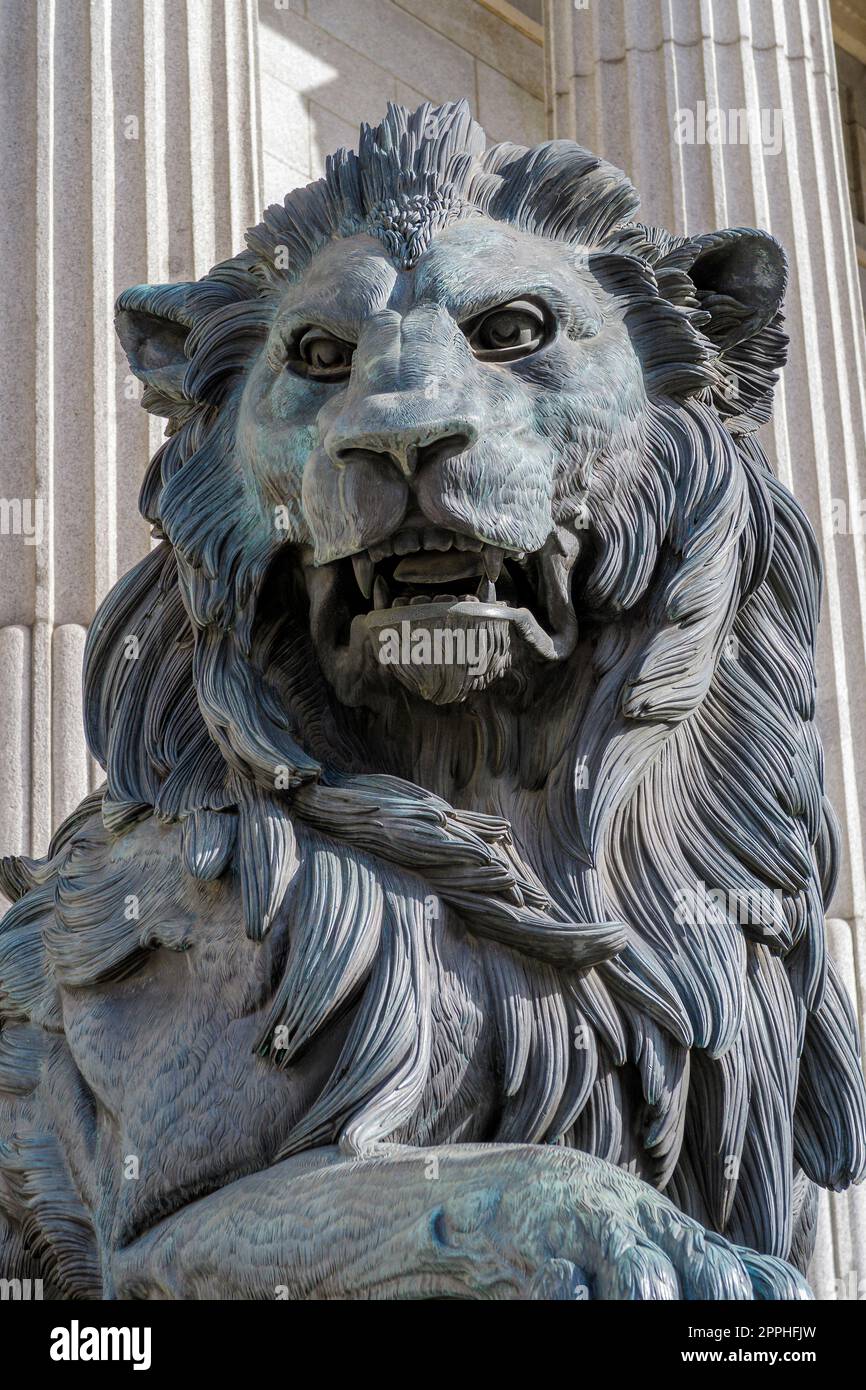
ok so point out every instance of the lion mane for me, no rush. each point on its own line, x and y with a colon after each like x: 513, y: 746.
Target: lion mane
x: 717, y: 1058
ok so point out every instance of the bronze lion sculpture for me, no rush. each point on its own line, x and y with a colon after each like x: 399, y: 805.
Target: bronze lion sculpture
x: 464, y: 702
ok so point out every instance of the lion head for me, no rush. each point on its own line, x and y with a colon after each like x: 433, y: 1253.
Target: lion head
x: 460, y: 394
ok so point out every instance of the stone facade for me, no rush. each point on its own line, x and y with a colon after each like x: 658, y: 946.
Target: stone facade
x: 851, y: 71
x: 144, y: 135
x: 328, y: 64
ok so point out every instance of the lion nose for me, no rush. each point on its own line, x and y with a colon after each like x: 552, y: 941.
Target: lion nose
x: 407, y: 447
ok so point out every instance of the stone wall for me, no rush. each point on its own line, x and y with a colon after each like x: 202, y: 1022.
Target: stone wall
x: 327, y: 65
x: 851, y: 71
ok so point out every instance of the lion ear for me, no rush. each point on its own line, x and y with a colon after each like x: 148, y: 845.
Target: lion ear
x: 740, y: 277
x: 152, y: 323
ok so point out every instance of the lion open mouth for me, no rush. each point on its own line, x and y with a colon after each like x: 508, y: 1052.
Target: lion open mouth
x: 464, y: 610
x: 415, y: 568
x: 438, y: 566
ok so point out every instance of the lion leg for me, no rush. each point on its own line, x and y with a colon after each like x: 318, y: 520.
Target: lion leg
x: 465, y: 1221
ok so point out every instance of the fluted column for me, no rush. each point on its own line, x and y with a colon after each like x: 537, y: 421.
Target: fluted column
x: 639, y: 81
x: 131, y: 152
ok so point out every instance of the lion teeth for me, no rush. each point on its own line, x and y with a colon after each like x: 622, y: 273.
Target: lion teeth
x: 492, y: 558
x: 380, y: 551
x: 486, y: 591
x: 381, y: 593
x: 405, y: 541
x: 363, y: 567
x: 434, y: 538
x: 466, y: 543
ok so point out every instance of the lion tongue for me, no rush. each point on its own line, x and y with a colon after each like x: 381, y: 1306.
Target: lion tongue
x: 429, y: 568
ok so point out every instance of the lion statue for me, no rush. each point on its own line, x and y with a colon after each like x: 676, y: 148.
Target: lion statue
x: 450, y: 923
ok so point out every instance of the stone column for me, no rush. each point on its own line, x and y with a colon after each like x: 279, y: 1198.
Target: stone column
x: 652, y: 84
x: 131, y: 152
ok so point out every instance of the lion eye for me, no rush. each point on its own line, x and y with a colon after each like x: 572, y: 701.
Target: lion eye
x: 318, y: 354
x: 507, y: 333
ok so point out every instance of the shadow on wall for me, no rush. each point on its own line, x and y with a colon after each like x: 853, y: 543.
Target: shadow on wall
x: 328, y: 65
